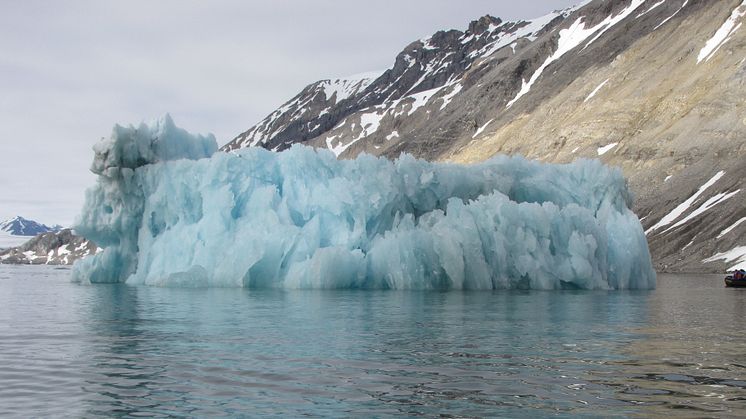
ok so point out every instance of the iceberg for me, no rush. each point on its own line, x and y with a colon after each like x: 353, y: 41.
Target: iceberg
x: 168, y: 209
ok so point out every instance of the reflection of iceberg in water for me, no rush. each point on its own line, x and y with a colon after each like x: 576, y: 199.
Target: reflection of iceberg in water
x: 167, y: 214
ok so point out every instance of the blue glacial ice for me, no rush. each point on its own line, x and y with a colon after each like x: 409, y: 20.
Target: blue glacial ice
x: 170, y: 210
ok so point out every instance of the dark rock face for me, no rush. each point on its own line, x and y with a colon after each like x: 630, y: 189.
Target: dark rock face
x: 645, y: 85
x: 19, y: 226
x: 50, y: 248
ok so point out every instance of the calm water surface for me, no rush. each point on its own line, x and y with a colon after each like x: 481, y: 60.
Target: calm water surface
x: 115, y: 350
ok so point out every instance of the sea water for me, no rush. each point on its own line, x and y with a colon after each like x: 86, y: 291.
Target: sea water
x: 119, y: 350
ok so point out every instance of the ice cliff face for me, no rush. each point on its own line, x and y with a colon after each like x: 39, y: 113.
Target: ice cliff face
x: 655, y: 87
x: 112, y: 217
x: 170, y: 211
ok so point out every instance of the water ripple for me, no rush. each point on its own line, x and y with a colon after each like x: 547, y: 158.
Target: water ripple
x: 88, y: 351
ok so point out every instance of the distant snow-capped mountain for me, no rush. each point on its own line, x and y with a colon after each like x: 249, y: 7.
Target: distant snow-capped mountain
x: 19, y: 226
x: 654, y: 87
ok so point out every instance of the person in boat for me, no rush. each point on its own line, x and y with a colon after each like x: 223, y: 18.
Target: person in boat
x: 739, y: 274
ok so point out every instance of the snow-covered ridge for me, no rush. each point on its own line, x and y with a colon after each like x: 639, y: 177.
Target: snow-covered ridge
x: 330, y: 92
x: 510, y: 32
x: 429, y: 69
x: 342, y: 88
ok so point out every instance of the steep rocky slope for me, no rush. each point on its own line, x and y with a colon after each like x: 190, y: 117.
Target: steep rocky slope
x: 655, y: 87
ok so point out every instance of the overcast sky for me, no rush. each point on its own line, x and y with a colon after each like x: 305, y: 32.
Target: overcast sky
x: 70, y: 70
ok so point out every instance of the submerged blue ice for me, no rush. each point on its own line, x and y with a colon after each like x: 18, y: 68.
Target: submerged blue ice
x: 170, y: 210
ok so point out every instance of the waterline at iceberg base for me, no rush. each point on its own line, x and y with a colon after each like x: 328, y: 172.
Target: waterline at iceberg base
x: 170, y: 210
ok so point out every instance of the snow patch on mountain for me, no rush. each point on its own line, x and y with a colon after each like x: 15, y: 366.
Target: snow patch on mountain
x: 366, y: 75
x: 346, y: 87
x: 711, y: 202
x: 684, y: 206
x: 663, y: 22
x: 611, y: 21
x: 605, y: 149
x: 731, y: 228
x: 482, y: 128
x: 723, y: 34
x: 527, y: 30
x: 737, y: 254
x: 650, y: 9
x: 593, y: 93
x: 455, y: 89
x: 370, y: 121
x: 572, y: 37
x: 421, y: 99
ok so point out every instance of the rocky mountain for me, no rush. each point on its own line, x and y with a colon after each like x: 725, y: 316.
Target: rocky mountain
x: 19, y: 226
x: 655, y: 87
x: 50, y: 248
x: 339, y: 113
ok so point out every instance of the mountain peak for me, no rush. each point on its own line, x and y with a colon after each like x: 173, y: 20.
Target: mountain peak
x: 20, y: 226
x: 483, y: 24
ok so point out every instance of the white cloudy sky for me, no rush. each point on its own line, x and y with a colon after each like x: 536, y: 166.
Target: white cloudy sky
x: 69, y: 70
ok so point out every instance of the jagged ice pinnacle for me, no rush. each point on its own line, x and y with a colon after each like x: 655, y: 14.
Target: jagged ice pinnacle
x: 170, y: 210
